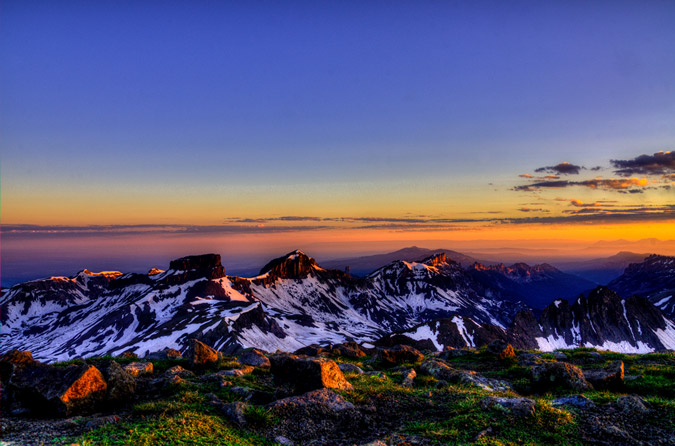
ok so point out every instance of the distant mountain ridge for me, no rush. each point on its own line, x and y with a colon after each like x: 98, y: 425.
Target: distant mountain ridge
x: 295, y: 302
x: 362, y: 266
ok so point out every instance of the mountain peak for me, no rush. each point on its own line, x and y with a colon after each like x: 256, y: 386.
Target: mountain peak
x: 207, y: 265
x: 436, y: 259
x: 294, y: 265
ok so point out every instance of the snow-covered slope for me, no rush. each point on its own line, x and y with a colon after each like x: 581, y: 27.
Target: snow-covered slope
x: 293, y: 302
x: 603, y: 320
x: 653, y: 278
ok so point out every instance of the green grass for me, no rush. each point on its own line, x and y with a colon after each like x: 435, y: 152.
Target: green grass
x: 186, y: 427
x: 466, y: 420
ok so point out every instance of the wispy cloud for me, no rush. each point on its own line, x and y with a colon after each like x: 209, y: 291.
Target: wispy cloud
x: 595, y: 183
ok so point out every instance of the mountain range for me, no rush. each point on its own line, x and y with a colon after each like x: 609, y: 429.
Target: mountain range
x: 294, y: 302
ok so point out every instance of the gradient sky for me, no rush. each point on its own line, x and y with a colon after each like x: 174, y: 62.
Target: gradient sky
x: 293, y: 123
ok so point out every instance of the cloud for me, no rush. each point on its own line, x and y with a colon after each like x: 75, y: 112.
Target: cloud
x: 596, y: 183
x: 581, y: 204
x: 526, y: 209
x: 561, y: 169
x: 661, y: 163
x: 612, y: 183
x: 525, y: 175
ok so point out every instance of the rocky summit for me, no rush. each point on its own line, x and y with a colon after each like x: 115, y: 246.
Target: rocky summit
x: 395, y: 395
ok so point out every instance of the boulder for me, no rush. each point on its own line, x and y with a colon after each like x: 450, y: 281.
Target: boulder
x: 57, y: 391
x: 139, y: 368
x: 253, y: 357
x: 121, y: 383
x: 164, y: 355
x: 451, y: 353
x: 560, y: 356
x: 517, y: 406
x: 326, y: 399
x: 350, y: 368
x: 201, y: 355
x: 349, y: 350
x: 310, y: 350
x: 439, y: 369
x: 235, y: 372
x: 443, y: 372
x: 578, y: 401
x: 552, y: 375
x: 129, y: 354
x: 611, y: 377
x: 408, y: 377
x: 12, y: 359
x: 18, y: 357
x: 306, y: 373
x: 632, y: 404
x: 501, y: 349
x: 235, y: 412
x: 398, y: 354
x: 176, y: 375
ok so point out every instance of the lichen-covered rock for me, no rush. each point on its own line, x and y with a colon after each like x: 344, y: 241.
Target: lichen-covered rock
x: 517, y: 406
x: 399, y: 354
x: 325, y: 398
x: 579, y: 401
x: 305, y: 373
x: 18, y: 357
x: 632, y: 404
x: 201, y: 355
x: 350, y: 368
x: 501, y: 349
x: 310, y: 350
x: 611, y: 377
x: 551, y: 375
x: 253, y: 357
x: 164, y: 355
x: 442, y: 371
x: 408, y: 377
x: 139, y: 368
x: 58, y: 391
x: 349, y: 350
x: 10, y: 360
x: 235, y: 372
x: 121, y: 383
x: 235, y: 412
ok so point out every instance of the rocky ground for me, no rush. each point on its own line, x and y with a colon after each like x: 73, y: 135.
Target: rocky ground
x: 342, y: 395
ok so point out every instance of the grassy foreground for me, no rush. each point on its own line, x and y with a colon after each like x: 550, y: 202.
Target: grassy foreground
x: 429, y: 413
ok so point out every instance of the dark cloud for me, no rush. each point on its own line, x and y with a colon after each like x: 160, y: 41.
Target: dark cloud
x: 661, y: 163
x: 543, y: 185
x: 561, y: 169
x: 596, y: 183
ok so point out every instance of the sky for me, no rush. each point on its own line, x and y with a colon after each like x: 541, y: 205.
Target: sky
x: 135, y: 132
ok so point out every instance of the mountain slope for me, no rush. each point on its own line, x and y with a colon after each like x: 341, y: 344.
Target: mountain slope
x: 536, y: 285
x: 654, y: 278
x: 602, y: 320
x: 602, y: 270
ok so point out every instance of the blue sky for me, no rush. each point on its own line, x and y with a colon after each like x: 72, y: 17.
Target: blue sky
x: 206, y: 112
